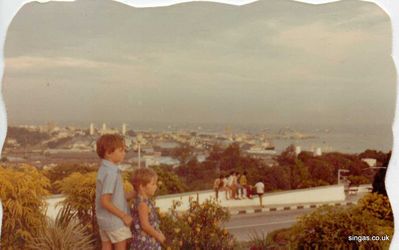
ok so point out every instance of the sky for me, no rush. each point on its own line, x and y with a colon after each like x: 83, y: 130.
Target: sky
x: 274, y: 61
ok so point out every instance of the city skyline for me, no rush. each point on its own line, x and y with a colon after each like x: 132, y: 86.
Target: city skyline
x: 260, y: 68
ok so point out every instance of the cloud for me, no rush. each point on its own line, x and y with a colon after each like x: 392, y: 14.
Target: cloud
x: 320, y: 40
x: 22, y: 63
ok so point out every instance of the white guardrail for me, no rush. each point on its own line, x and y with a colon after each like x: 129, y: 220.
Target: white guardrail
x: 366, y: 188
x: 333, y: 193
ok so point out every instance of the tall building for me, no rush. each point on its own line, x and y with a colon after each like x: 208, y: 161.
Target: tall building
x: 297, y: 150
x: 317, y: 152
x: 91, y: 129
x: 124, y: 129
x: 104, y: 127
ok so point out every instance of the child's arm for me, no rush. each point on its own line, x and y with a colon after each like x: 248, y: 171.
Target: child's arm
x: 129, y: 196
x: 107, y: 204
x: 145, y: 224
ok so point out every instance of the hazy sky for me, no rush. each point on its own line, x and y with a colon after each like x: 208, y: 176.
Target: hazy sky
x: 266, y: 62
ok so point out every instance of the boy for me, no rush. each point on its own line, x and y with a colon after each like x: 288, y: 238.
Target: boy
x: 112, y: 211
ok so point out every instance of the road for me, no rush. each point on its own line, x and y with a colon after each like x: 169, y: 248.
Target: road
x: 242, y: 226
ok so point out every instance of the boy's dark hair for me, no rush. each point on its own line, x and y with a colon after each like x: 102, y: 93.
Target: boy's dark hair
x: 245, y: 173
x: 108, y: 143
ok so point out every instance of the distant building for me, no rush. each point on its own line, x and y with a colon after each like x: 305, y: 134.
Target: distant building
x: 317, y: 152
x: 370, y: 161
x: 124, y: 129
x: 297, y: 150
x: 259, y: 151
x: 91, y: 129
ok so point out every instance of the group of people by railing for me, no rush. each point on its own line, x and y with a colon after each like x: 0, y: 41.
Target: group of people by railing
x: 236, y: 187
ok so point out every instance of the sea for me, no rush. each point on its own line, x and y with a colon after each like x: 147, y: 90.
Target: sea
x: 345, y: 138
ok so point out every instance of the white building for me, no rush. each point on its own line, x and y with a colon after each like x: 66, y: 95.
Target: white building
x: 297, y: 150
x: 91, y: 129
x: 317, y: 152
x: 370, y: 161
x: 124, y: 129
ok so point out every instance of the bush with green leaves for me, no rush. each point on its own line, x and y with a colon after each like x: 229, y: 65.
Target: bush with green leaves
x: 61, y: 234
x: 23, y: 190
x: 198, y: 228
x: 170, y: 183
x: 378, y: 206
x: 330, y: 227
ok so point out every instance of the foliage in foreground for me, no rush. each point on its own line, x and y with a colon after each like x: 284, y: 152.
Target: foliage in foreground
x: 332, y: 227
x: 198, y: 228
x: 63, y: 235
x: 22, y: 193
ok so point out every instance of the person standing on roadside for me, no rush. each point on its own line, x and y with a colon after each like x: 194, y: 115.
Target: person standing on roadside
x: 217, y: 185
x: 260, y: 190
x: 244, y: 184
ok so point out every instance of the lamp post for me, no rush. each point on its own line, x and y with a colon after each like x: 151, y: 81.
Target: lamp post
x: 138, y: 138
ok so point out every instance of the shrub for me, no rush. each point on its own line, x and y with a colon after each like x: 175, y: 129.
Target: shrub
x: 377, y: 205
x: 63, y: 235
x: 332, y: 226
x: 22, y: 193
x: 170, y: 182
x: 198, y: 228
x: 64, y: 170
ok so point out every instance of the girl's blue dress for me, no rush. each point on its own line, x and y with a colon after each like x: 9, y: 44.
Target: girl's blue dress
x: 140, y: 239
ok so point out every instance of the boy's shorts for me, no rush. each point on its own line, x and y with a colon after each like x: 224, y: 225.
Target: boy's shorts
x: 115, y: 236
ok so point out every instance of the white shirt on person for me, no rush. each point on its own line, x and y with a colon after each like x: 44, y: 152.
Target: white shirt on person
x: 230, y: 181
x: 225, y: 180
x: 260, y: 187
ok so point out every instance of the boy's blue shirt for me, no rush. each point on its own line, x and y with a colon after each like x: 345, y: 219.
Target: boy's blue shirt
x: 109, y: 181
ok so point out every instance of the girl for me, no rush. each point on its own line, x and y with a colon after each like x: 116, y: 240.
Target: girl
x: 145, y: 228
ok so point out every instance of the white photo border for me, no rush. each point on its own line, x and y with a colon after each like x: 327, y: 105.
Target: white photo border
x: 9, y: 8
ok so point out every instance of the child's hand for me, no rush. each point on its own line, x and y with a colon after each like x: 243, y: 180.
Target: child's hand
x: 127, y: 219
x: 161, y: 237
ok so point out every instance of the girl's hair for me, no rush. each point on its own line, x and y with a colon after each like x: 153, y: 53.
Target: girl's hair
x: 142, y: 176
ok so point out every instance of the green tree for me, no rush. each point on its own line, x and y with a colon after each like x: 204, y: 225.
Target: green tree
x: 288, y: 156
x: 170, y: 183
x: 63, y: 170
x: 25, y: 137
x: 300, y: 176
x: 322, y: 170
x: 183, y: 153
